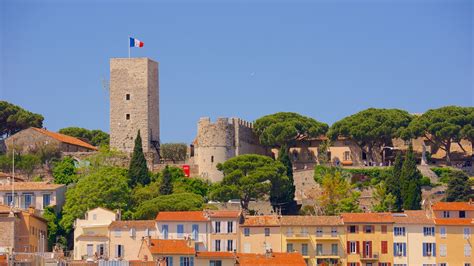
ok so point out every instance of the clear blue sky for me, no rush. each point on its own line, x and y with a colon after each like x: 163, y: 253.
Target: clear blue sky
x: 325, y: 59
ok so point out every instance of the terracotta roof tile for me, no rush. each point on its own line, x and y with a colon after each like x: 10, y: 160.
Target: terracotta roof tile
x: 137, y: 224
x: 65, y: 138
x: 31, y: 186
x: 311, y: 220
x: 266, y: 220
x: 181, y: 216
x: 293, y: 259
x: 170, y: 246
x: 412, y: 217
x: 215, y: 254
x: 371, y: 217
x: 454, y: 221
x: 224, y: 214
x: 453, y: 206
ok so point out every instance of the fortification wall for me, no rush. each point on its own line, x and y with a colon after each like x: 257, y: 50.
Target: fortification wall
x: 246, y: 141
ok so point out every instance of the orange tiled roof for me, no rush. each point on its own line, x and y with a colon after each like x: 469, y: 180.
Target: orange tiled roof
x: 182, y: 216
x: 31, y: 186
x: 141, y: 224
x: 412, y: 217
x: 454, y: 221
x: 65, y: 138
x: 170, y: 246
x: 215, y: 254
x: 224, y: 214
x: 266, y: 220
x: 276, y: 258
x: 453, y: 206
x: 371, y: 217
x: 311, y: 220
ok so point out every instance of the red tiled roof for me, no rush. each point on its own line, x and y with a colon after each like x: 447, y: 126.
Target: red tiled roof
x: 371, y: 217
x: 31, y: 186
x: 454, y: 221
x: 453, y: 206
x: 170, y: 246
x: 65, y: 138
x: 293, y: 259
x: 311, y: 220
x: 182, y: 216
x: 142, y: 224
x: 224, y: 214
x: 412, y: 217
x: 215, y: 254
x: 266, y: 220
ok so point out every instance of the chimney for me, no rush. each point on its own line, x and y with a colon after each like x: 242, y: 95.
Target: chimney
x: 269, y: 253
x: 470, y: 201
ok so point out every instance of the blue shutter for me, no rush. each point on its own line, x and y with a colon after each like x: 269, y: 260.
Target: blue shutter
x: 192, y: 261
x: 434, y: 249
x: 394, y: 249
x: 424, y: 249
x: 404, y: 245
x: 181, y: 261
x: 170, y: 261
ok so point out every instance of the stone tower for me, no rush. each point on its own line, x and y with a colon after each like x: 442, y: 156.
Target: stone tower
x: 134, y: 105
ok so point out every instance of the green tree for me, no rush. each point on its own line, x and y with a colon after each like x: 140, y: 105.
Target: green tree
x: 459, y: 187
x: 385, y: 200
x: 95, y: 137
x: 337, y: 195
x: 64, y: 171
x: 106, y: 187
x: 254, y: 176
x: 410, y: 178
x: 286, y: 128
x: 287, y: 200
x: 14, y: 119
x: 138, y: 171
x: 166, y: 186
x: 173, y: 151
x: 393, y: 182
x: 371, y: 128
x: 323, y: 149
x: 443, y: 127
x: 54, y: 229
x: 174, y: 202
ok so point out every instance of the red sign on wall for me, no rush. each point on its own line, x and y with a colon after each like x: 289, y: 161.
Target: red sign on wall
x: 186, y: 170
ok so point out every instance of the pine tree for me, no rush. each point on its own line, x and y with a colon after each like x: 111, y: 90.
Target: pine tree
x: 410, y: 178
x: 459, y: 188
x: 138, y: 171
x: 166, y: 187
x: 290, y: 204
x: 394, y: 184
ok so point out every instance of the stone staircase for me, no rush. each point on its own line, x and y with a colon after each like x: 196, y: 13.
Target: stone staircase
x: 426, y: 171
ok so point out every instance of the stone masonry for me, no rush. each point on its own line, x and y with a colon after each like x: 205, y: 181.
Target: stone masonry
x: 134, y: 104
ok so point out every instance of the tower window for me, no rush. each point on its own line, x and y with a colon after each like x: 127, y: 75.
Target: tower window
x: 212, y: 159
x: 127, y: 97
x: 127, y: 116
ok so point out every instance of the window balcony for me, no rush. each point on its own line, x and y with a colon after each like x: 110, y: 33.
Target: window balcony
x: 297, y: 236
x: 370, y: 257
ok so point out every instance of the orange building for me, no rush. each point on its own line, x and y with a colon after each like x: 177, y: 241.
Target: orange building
x: 259, y: 234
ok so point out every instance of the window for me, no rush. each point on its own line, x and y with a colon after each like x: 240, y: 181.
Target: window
x: 347, y: 156
x: 400, y: 249
x: 90, y: 249
x: 212, y: 159
x: 215, y: 263
x: 164, y: 231
x: 467, y: 232
x: 352, y: 263
x: 429, y: 250
x: 467, y: 250
x: 127, y: 116
x: 117, y: 232
x: 428, y: 231
x: 383, y: 228
x: 384, y: 247
x: 334, y: 249
x: 442, y: 232
x: 319, y: 249
x: 230, y: 227
x: 368, y: 229
x: 445, y: 214
x: 246, y: 231
x: 352, y: 229
x: 196, y: 246
x: 217, y: 245
x: 46, y: 200
x: 467, y: 264
x: 132, y: 232
x: 9, y: 199
x: 462, y: 214
x: 218, y: 227
x: 186, y: 261
x: 195, y: 233
x: 101, y: 249
x: 127, y: 97
x: 119, y: 251
x: 180, y: 230
x: 353, y: 247
x: 147, y: 232
x: 443, y: 264
x: 333, y: 231
x: 399, y: 231
x: 169, y: 261
x: 94, y: 216
x: 304, y: 249
x: 304, y: 231
x: 442, y: 250
x: 319, y: 231
x: 27, y: 200
x: 399, y: 264
x: 383, y: 264
x: 230, y: 245
x: 289, y: 248
x: 267, y: 231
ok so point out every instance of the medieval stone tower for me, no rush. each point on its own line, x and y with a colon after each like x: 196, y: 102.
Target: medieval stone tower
x: 134, y: 105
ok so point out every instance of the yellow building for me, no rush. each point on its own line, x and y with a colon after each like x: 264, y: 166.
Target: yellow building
x: 224, y: 230
x: 319, y: 239
x: 454, y: 233
x: 369, y: 239
x: 259, y: 234
x: 127, y: 236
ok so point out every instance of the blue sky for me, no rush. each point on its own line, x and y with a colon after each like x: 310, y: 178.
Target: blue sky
x: 324, y: 59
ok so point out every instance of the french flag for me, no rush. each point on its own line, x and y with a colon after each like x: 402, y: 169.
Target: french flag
x: 135, y: 43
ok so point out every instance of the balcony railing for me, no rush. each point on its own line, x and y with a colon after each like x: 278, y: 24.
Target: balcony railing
x: 326, y: 254
x: 297, y: 235
x: 373, y: 256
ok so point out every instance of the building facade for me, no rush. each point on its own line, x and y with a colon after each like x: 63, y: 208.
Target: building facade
x: 37, y: 194
x: 127, y: 237
x: 224, y: 234
x: 260, y: 234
